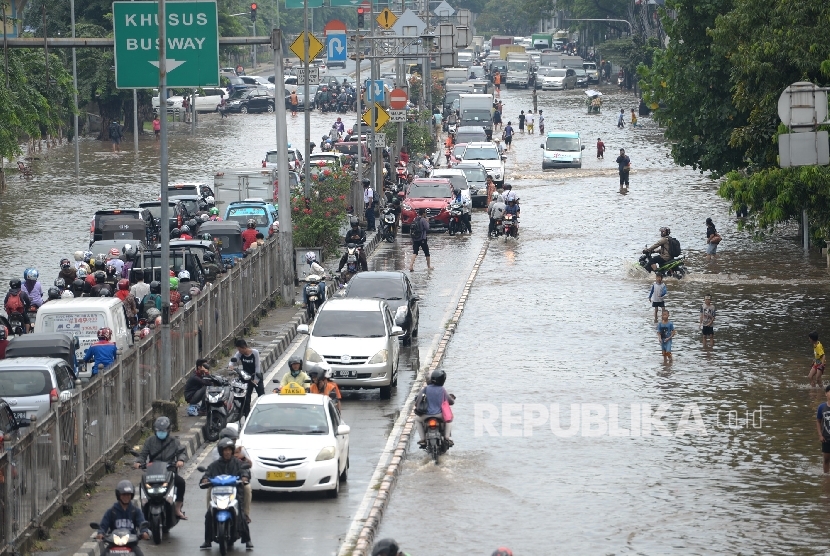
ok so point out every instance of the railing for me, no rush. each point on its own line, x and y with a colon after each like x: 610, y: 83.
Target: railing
x: 53, y: 458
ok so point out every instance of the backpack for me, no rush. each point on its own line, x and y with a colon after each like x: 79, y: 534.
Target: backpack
x: 149, y: 302
x: 115, y: 132
x: 15, y: 304
x: 674, y: 247
x: 421, y: 403
x: 415, y: 229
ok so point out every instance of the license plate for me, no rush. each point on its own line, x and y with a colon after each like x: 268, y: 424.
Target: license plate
x: 281, y: 476
x: 19, y: 414
x: 119, y: 549
x: 432, y: 221
x: 346, y: 374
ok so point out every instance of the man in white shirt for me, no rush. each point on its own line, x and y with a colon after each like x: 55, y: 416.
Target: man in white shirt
x: 369, y: 205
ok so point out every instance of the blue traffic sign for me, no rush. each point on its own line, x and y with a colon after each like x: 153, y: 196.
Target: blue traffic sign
x: 374, y: 90
x: 336, y: 47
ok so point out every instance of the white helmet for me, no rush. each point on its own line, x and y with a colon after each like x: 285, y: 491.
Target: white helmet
x: 311, y: 257
x: 184, y: 275
x: 210, y: 200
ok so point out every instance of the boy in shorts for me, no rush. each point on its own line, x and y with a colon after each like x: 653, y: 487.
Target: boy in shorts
x: 707, y: 321
x: 657, y: 293
x: 818, y: 361
x: 823, y: 426
x: 665, y: 333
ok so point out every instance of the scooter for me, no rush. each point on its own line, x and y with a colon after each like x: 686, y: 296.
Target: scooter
x: 16, y: 324
x: 157, y: 496
x: 400, y: 173
x: 352, y: 265
x: 675, y: 268
x: 387, y: 223
x: 119, y: 542
x: 312, y: 291
x: 497, y: 228
x: 456, y: 223
x: 436, y: 445
x: 219, y: 404
x: 510, y: 223
x: 225, y: 514
x: 239, y: 391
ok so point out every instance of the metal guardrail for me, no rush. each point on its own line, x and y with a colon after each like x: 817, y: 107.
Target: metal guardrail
x: 52, y: 459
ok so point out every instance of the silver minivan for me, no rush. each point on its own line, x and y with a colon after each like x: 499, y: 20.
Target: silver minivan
x: 32, y: 385
x: 359, y: 340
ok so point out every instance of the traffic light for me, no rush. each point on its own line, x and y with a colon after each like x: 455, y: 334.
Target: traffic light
x: 360, y: 20
x: 253, y: 12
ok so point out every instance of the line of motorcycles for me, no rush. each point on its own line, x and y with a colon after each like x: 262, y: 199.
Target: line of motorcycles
x: 226, y: 401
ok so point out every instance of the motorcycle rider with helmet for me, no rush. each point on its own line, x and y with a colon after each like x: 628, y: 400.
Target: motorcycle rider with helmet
x: 163, y: 447
x: 67, y: 272
x: 175, y: 296
x: 103, y: 352
x: 436, y: 395
x: 321, y: 383
x: 248, y: 357
x: 129, y: 260
x: 295, y: 372
x: 52, y: 293
x: 212, y: 270
x: 124, y: 515
x: 214, y: 214
x: 227, y: 465
x: 466, y: 207
x: 100, y: 278
x: 228, y: 432
x: 662, y: 246
x: 128, y: 299
x: 356, y: 236
x: 495, y: 210
x: 32, y: 287
x: 249, y: 235
x: 4, y: 340
x: 20, y: 302
x: 115, y: 266
x: 185, y: 232
x: 315, y: 268
x: 387, y: 547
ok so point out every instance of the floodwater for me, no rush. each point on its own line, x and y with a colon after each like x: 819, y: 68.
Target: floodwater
x: 559, y: 321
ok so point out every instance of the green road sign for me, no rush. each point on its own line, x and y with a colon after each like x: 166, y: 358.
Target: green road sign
x: 301, y: 3
x: 192, y: 44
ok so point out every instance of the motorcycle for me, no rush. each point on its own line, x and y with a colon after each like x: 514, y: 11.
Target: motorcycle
x: 498, y: 228
x: 157, y: 495
x: 16, y: 325
x: 436, y: 445
x: 400, y: 173
x: 312, y: 291
x: 388, y: 230
x: 224, y: 509
x: 510, y: 223
x: 675, y: 268
x: 119, y: 542
x: 239, y: 391
x: 456, y: 223
x: 219, y: 406
x: 352, y: 265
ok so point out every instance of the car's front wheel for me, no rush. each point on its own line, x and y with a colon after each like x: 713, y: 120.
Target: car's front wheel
x: 335, y: 492
x: 386, y: 392
x: 244, y: 109
x: 270, y: 108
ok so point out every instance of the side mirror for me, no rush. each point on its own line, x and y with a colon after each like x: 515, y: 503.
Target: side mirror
x: 542, y: 146
x: 415, y: 298
x: 93, y: 525
x: 504, y: 157
x: 302, y: 329
x: 343, y: 430
x: 583, y: 148
x: 397, y: 331
x: 201, y: 468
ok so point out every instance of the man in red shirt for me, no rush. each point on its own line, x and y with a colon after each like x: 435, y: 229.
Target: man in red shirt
x: 249, y: 235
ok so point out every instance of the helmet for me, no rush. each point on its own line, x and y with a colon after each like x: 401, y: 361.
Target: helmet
x: 114, y: 252
x: 129, y: 251
x: 226, y: 443
x: 186, y: 298
x: 210, y: 200
x: 310, y: 257
x: 31, y: 274
x: 365, y: 182
x: 155, y: 286
x: 105, y: 292
x: 14, y: 284
x: 65, y: 263
x: 60, y: 283
x: 185, y: 229
x: 174, y: 283
x: 229, y: 432
x: 665, y: 231
x: 100, y: 276
x: 208, y: 257
x: 174, y: 234
x: 123, y: 284
x: 456, y: 191
x: 192, y: 223
x: 153, y: 314
x: 78, y: 284
x: 213, y: 211
x: 353, y: 221
x: 79, y: 255
x: 87, y: 256
x: 438, y: 377
x: 251, y: 223
x: 104, y: 334
x: 184, y: 275
x: 386, y: 547
x: 54, y: 293
x: 124, y: 487
x: 84, y: 267
x: 295, y: 359
x: 162, y: 424
x: 501, y: 551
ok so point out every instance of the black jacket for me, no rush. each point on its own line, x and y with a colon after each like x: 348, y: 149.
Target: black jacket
x: 222, y: 467
x: 168, y: 450
x: 193, y: 385
x: 356, y: 236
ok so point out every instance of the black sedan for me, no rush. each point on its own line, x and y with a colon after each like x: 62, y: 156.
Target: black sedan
x: 396, y: 290
x: 255, y: 100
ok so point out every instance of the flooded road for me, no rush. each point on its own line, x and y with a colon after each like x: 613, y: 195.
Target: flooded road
x: 547, y: 452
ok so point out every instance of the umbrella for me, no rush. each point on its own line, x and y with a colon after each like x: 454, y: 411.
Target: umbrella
x: 593, y: 93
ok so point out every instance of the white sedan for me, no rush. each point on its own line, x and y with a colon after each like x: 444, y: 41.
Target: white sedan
x: 297, y: 443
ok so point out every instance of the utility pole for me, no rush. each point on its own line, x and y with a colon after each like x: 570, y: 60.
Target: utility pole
x: 74, y: 86
x: 284, y: 194
x: 306, y: 102
x: 166, y: 382
x: 370, y: 93
x: 357, y: 199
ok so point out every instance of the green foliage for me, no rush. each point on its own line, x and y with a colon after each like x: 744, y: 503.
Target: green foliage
x: 417, y: 135
x: 512, y: 17
x: 631, y: 52
x: 318, y: 220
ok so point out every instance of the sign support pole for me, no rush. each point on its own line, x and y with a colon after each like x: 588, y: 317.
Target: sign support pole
x: 135, y: 119
x: 371, y: 104
x: 74, y: 87
x: 402, y: 76
x: 357, y: 189
x: 166, y: 383
x: 286, y: 231
x: 306, y: 101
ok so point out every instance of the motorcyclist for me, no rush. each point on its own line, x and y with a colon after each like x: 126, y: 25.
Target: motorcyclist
x: 315, y: 268
x: 100, y: 278
x: 509, y: 194
x: 197, y: 383
x: 662, y: 245
x: 175, y: 296
x: 239, y: 453
x: 513, y: 207
x: 89, y: 277
x: 78, y: 285
x: 17, y: 301
x: 214, y: 214
x: 4, y: 341
x: 115, y: 265
x: 175, y: 233
x: 249, y: 235
x: 68, y: 272
x: 103, y: 352
x: 295, y: 372
x: 387, y: 547
x: 466, y: 208
x: 79, y: 258
x: 52, y: 294
x: 163, y: 447
x: 356, y: 236
x: 249, y: 358
x: 128, y: 299
x: 436, y: 395
x: 124, y: 515
x: 228, y: 465
x: 212, y: 270
x: 32, y: 287
x: 496, y: 210
x: 129, y: 260
x: 66, y: 290
x: 185, y: 232
x: 321, y: 383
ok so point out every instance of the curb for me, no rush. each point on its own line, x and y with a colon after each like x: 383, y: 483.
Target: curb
x: 365, y: 537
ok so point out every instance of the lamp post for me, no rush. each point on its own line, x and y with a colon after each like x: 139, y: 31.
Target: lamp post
x: 74, y: 91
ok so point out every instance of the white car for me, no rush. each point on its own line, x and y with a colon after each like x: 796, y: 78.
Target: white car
x: 207, y: 100
x: 486, y: 154
x: 459, y: 181
x: 558, y: 79
x: 297, y: 442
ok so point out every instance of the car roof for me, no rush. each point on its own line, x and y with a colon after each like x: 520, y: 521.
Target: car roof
x: 75, y: 303
x: 29, y: 362
x: 45, y: 339
x: 470, y: 164
x: 379, y: 275
x: 310, y: 399
x: 170, y: 201
x: 439, y: 172
x: 352, y: 304
x: 470, y: 129
x: 192, y: 243
x: 219, y: 225
x: 562, y: 133
x: 432, y: 181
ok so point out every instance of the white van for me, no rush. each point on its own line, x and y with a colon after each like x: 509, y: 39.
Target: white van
x: 562, y: 149
x: 82, y: 317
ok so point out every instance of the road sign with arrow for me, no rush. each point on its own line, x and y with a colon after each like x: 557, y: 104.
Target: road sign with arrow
x: 336, y: 47
x: 381, y: 116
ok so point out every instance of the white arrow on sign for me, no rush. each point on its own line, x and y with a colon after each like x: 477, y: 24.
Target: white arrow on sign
x: 335, y: 45
x: 171, y: 64
x: 377, y: 90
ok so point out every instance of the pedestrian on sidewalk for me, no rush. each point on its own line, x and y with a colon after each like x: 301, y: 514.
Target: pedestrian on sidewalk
x: 157, y: 127
x: 817, y: 370
x: 600, y: 149
x: 657, y: 294
x: 420, y: 227
x: 437, y: 121
x: 707, y: 320
x: 712, y: 240
x: 507, y: 135
x: 522, y: 122
x: 624, y: 165
x: 823, y: 427
x: 369, y: 204
x: 621, y: 119
x: 665, y: 333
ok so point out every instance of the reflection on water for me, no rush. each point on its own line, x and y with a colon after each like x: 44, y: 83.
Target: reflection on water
x: 561, y: 317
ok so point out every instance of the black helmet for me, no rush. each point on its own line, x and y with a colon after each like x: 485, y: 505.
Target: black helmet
x: 78, y: 284
x: 155, y: 286
x: 105, y: 292
x: 153, y: 314
x: 251, y: 223
x: 124, y: 487
x: 295, y: 359
x: 386, y: 547
x: 54, y: 293
x: 228, y: 432
x: 162, y: 424
x: 365, y: 182
x: 225, y: 443
x: 186, y: 298
x: 438, y: 377
x: 60, y: 283
x: 15, y: 283
x: 208, y: 257
x: 353, y: 221
x: 175, y: 233
x: 185, y: 229
x: 456, y: 191
x: 100, y: 276
x: 192, y: 223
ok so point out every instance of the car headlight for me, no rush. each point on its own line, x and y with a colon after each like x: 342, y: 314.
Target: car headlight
x: 405, y: 206
x: 312, y: 356
x: 326, y: 453
x: 379, y: 357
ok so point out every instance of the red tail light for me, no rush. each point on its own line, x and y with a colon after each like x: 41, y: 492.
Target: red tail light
x: 179, y: 220
x: 92, y: 226
x: 53, y: 396
x: 432, y: 422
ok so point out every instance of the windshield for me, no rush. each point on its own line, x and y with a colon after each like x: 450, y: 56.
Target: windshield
x: 481, y: 153
x: 517, y: 66
x: 589, y: 66
x: 102, y: 218
x: 569, y: 144
x: 192, y: 207
x: 424, y: 191
x: 243, y: 214
x: 346, y: 324
x: 227, y: 243
x: 389, y: 290
x: 15, y: 384
x: 475, y: 175
x: 458, y: 150
x: 476, y: 115
x: 580, y: 71
x: 273, y: 157
x: 288, y: 418
x: 457, y: 181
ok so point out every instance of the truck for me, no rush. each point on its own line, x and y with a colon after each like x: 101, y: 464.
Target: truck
x: 519, y: 70
x: 238, y: 184
x: 466, y: 58
x: 550, y: 58
x: 506, y: 49
x: 571, y: 62
x: 455, y: 75
x: 541, y: 41
x: 497, y: 40
x: 477, y: 110
x: 478, y: 42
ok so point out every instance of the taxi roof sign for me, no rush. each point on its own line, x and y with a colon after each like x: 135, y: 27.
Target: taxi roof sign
x: 292, y: 389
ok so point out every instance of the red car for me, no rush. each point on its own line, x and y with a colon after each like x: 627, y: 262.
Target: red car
x: 432, y: 194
